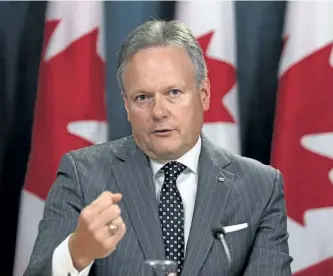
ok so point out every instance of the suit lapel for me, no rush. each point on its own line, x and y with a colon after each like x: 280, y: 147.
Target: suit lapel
x: 135, y: 180
x: 214, y: 188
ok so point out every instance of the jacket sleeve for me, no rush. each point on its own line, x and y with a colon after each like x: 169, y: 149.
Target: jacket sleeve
x: 62, y: 208
x: 270, y: 254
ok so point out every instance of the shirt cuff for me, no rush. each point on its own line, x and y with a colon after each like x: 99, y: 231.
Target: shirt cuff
x: 62, y: 263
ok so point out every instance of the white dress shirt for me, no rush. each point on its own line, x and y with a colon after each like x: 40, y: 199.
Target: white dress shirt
x: 187, y: 181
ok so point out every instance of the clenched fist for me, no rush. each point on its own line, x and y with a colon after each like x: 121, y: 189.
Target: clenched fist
x: 99, y: 230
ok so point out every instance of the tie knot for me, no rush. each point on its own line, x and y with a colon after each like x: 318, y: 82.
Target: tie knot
x: 173, y: 169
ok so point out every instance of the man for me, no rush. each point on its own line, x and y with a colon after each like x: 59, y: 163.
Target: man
x: 158, y: 193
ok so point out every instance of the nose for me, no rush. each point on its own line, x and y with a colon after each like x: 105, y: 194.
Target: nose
x: 159, y: 108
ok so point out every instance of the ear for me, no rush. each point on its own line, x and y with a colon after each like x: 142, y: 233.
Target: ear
x: 205, y: 94
x: 126, y: 105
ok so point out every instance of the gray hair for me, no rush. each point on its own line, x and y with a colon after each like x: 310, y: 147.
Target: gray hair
x: 156, y: 33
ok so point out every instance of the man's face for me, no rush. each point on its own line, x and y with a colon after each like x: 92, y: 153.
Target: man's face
x: 163, y: 104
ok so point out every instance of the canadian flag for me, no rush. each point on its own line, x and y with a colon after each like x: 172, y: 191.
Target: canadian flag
x: 70, y: 108
x: 212, y: 23
x: 303, y: 141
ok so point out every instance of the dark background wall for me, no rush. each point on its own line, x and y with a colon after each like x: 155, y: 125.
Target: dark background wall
x: 259, y: 45
x: 21, y: 33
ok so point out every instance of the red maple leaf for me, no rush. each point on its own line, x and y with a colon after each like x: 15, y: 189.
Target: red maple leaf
x: 304, y: 107
x: 71, y: 88
x: 222, y: 77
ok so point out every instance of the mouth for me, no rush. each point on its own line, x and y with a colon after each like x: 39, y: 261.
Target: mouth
x: 162, y: 132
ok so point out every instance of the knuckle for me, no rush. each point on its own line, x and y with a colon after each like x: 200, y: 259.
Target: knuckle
x: 85, y: 214
x: 110, y: 198
x: 116, y: 210
x: 105, y: 193
x: 90, y: 227
x: 105, y: 197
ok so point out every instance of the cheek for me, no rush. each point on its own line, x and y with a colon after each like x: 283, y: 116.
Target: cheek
x: 185, y: 114
x: 192, y: 108
x: 139, y: 118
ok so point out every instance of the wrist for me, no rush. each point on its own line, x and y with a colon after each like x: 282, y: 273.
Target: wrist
x: 80, y: 261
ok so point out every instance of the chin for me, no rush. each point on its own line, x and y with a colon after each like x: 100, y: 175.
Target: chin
x: 167, y: 155
x: 164, y: 147
x: 168, y: 152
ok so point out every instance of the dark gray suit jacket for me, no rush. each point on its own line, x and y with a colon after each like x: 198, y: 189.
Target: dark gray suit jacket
x: 231, y: 190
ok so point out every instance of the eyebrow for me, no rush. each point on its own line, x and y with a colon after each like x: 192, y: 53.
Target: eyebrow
x: 169, y: 87
x: 175, y: 87
x: 141, y: 92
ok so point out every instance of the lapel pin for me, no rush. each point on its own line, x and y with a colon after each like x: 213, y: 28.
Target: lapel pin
x: 221, y: 179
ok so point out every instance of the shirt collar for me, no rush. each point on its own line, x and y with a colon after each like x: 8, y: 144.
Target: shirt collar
x: 189, y: 159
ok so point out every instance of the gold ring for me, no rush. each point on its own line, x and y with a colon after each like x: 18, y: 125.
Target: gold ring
x: 112, y: 228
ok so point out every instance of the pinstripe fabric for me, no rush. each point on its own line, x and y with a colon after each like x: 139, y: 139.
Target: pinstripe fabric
x: 231, y: 190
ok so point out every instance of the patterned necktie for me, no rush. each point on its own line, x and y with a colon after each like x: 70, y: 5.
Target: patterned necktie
x: 172, y: 214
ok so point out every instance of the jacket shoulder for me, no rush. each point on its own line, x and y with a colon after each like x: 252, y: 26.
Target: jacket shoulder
x: 100, y: 151
x: 252, y: 168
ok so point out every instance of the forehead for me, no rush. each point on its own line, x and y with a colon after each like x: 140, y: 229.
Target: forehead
x: 157, y: 67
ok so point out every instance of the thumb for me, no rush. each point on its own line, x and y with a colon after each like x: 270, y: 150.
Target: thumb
x: 116, y: 198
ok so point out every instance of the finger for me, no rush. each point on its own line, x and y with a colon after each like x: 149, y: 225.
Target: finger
x: 118, y: 221
x: 106, y: 195
x: 114, y: 225
x: 102, y: 195
x: 119, y: 234
x: 109, y: 240
x: 105, y: 200
x: 114, y: 239
x: 102, y: 201
x: 106, y: 216
x: 105, y: 232
x: 116, y: 198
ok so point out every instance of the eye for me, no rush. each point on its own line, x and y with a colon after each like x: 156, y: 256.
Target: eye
x: 141, y: 98
x: 174, y: 92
